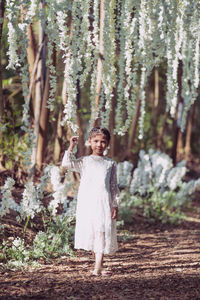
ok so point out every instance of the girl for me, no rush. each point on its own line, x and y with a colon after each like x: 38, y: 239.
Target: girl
x: 98, y: 198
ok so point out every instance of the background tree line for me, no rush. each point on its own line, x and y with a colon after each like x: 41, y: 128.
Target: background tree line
x: 161, y: 129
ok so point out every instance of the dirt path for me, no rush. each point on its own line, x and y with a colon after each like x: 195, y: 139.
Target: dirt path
x: 157, y: 263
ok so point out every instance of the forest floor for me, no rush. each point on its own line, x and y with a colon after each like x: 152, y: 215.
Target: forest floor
x: 156, y: 262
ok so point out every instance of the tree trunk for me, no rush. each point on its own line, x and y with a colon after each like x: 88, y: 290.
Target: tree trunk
x: 43, y: 124
x: 31, y: 58
x: 156, y: 88
x: 2, y: 10
x: 59, y: 131
x: 177, y: 150
x: 37, y: 109
x: 112, y: 126
x: 58, y: 140
x: 38, y: 101
x: 100, y: 59
x: 179, y: 147
x: 132, y: 136
x: 31, y: 50
x: 189, y: 133
x: 81, y: 148
x: 160, y: 136
x: 155, y: 106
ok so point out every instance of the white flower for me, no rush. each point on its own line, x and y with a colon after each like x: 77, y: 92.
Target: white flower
x: 7, y: 202
x: 13, y: 47
x: 30, y: 204
x: 59, y: 190
x: 175, y: 176
x: 18, y: 243
x: 124, y: 173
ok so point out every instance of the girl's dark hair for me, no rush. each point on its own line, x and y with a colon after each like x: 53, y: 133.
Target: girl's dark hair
x: 98, y: 130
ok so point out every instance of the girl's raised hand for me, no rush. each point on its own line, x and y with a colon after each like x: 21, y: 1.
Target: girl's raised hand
x: 114, y: 213
x: 73, y: 142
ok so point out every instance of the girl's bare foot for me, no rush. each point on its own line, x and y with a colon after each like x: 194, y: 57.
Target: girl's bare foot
x: 101, y: 272
x: 96, y: 272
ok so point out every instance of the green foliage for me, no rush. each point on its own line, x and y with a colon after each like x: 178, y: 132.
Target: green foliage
x: 156, y: 188
x: 12, y: 145
x: 55, y: 234
x: 155, y: 207
x: 12, y: 140
x: 127, y: 207
x: 15, y: 254
x: 55, y: 241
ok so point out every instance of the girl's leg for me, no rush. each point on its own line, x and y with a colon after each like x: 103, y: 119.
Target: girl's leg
x: 98, y: 263
x: 98, y: 266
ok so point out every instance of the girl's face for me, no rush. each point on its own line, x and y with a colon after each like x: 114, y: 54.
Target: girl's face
x: 98, y: 144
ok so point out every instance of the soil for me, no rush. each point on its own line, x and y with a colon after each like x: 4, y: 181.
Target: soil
x: 154, y: 261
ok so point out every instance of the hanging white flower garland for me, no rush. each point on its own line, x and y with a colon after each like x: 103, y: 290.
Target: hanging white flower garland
x: 129, y: 68
x: 95, y: 42
x: 109, y: 60
x: 147, y: 32
x: 121, y: 70
x: 86, y: 45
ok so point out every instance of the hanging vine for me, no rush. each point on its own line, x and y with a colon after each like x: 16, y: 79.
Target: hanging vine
x: 138, y: 35
x: 109, y: 61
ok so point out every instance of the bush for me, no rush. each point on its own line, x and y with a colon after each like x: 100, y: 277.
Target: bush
x: 55, y: 237
x: 156, y: 187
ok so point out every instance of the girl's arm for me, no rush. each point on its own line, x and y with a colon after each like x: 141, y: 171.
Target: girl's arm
x: 114, y: 192
x: 69, y: 161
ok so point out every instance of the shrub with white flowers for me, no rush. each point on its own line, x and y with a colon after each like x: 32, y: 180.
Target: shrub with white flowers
x: 59, y: 190
x: 124, y: 173
x: 30, y: 205
x: 7, y: 201
x: 156, y: 186
x: 57, y: 233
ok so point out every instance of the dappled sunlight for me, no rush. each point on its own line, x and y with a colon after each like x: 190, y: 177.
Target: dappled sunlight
x: 152, y: 264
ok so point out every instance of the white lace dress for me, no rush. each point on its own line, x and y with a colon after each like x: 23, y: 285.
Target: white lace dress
x: 98, y: 193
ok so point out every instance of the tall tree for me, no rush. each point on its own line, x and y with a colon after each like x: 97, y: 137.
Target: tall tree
x: 177, y: 149
x: 190, y: 125
x: 2, y: 10
x: 39, y: 87
x: 133, y: 131
x: 43, y: 124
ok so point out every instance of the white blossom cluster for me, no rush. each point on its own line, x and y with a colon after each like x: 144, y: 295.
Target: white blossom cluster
x: 188, y: 188
x: 7, y: 201
x: 124, y: 175
x: 109, y: 59
x: 51, y: 28
x: 30, y: 204
x: 155, y: 171
x: 12, y: 35
x: 86, y: 43
x: 95, y: 42
x: 125, y: 98
x: 138, y: 36
x: 121, y: 70
x: 59, y: 190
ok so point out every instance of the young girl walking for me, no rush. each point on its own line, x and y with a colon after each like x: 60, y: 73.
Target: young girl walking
x: 98, y: 198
